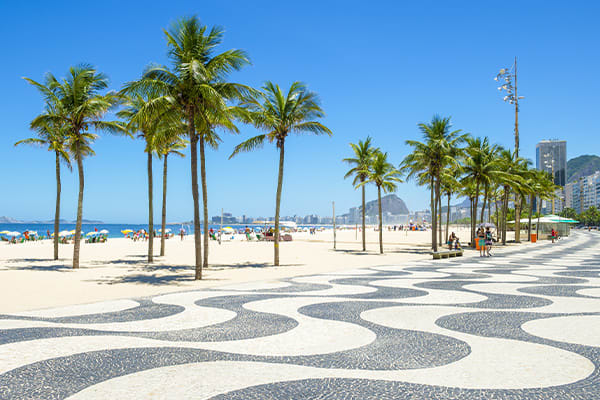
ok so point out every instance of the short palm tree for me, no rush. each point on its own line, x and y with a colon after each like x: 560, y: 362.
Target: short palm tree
x: 431, y: 157
x: 361, y: 162
x: 80, y: 107
x: 196, y: 88
x: 280, y: 114
x: 52, y: 135
x: 169, y: 141
x: 482, y: 166
x: 385, y: 176
x: 141, y: 121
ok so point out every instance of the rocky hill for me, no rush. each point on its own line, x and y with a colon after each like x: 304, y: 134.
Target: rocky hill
x: 389, y: 203
x: 582, y: 166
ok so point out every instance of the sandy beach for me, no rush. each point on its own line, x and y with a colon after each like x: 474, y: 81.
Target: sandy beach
x: 30, y: 279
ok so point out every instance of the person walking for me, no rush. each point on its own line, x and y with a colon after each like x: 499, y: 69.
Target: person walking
x: 481, y: 241
x: 488, y: 241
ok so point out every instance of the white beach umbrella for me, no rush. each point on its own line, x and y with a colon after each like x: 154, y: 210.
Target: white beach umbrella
x: 14, y: 233
x: 104, y: 231
x: 64, y: 233
x: 92, y: 233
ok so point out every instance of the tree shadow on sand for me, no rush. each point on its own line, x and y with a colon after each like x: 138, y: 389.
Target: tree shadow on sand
x: 34, y: 267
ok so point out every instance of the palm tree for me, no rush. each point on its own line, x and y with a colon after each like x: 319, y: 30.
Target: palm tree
x: 280, y: 114
x: 194, y: 87
x: 80, y: 107
x: 431, y: 157
x: 142, y: 121
x: 361, y: 162
x: 385, y: 176
x: 170, y: 142
x: 52, y: 136
x: 482, y: 166
x: 508, y: 180
x: 450, y: 185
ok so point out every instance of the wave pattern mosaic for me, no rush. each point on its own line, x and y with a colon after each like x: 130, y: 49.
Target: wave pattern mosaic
x: 525, y: 324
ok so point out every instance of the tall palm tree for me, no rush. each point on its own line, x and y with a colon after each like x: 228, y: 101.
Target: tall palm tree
x: 361, y: 162
x: 431, y: 156
x: 385, y: 176
x: 170, y: 142
x: 280, y: 114
x: 141, y: 121
x: 52, y: 135
x: 80, y: 107
x: 195, y: 87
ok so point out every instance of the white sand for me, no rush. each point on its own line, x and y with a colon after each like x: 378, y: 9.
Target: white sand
x: 30, y: 279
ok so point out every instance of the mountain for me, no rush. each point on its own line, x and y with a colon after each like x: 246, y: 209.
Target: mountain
x: 8, y: 220
x: 582, y: 166
x: 389, y: 203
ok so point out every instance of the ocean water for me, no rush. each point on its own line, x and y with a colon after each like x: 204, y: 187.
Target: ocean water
x: 113, y: 229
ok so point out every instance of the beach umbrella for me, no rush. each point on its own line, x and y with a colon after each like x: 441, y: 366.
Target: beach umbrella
x: 33, y: 233
x: 126, y: 231
x: 104, y: 231
x: 13, y: 233
x: 92, y: 233
x: 228, y: 229
x: 4, y: 232
x: 72, y: 232
x: 487, y: 225
x: 64, y: 233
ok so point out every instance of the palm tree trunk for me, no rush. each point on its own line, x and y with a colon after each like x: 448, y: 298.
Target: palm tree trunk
x: 278, y: 204
x: 485, y: 195
x: 474, y: 214
x: 380, y: 220
x: 204, y: 200
x: 530, y: 216
x: 57, y: 209
x: 150, y: 211
x: 439, y: 196
x: 504, y: 214
x: 517, y: 218
x: 77, y: 245
x: 433, y: 232
x: 448, y: 217
x: 195, y: 195
x: 164, y: 208
x: 364, y: 237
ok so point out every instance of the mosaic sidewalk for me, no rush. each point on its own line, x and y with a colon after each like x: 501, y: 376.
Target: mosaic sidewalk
x: 521, y: 325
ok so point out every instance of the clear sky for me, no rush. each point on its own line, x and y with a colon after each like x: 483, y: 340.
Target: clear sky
x: 379, y: 67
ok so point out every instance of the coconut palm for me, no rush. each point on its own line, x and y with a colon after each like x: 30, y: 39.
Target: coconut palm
x: 481, y: 166
x: 279, y: 115
x: 169, y: 142
x: 431, y: 157
x: 195, y: 87
x: 80, y: 107
x: 141, y: 121
x: 450, y: 185
x: 361, y: 162
x: 509, y: 180
x: 385, y: 176
x: 52, y: 135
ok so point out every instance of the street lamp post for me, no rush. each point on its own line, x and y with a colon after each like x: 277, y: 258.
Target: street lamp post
x: 508, y: 79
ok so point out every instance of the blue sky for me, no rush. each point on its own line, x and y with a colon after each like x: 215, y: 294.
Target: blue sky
x: 380, y: 68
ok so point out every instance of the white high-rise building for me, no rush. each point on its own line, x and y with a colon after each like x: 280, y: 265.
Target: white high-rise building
x: 583, y: 193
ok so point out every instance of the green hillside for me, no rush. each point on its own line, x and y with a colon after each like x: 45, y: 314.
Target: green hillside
x: 582, y: 166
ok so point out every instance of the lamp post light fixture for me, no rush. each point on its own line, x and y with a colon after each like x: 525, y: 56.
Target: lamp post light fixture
x: 507, y: 77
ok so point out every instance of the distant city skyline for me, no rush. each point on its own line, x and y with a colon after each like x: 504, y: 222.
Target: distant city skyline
x: 401, y: 82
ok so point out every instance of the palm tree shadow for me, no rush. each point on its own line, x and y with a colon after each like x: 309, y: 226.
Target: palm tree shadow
x: 220, y: 267
x: 60, y: 268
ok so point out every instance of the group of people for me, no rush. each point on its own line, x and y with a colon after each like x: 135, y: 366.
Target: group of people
x: 485, y: 240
